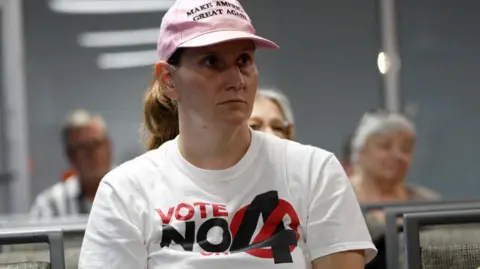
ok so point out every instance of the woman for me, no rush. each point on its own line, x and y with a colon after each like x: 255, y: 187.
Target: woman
x: 273, y: 114
x: 382, y: 151
x: 346, y: 156
x: 212, y: 193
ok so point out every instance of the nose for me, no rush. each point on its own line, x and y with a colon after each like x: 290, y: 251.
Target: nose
x: 235, y: 78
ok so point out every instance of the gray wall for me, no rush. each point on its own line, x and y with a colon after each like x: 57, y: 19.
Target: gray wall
x: 327, y: 65
x: 440, y: 74
x: 327, y: 62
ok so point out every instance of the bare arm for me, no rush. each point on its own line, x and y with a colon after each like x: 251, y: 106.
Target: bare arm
x: 342, y: 260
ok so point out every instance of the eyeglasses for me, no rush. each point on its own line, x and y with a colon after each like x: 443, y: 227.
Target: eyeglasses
x: 278, y: 128
x: 86, y: 147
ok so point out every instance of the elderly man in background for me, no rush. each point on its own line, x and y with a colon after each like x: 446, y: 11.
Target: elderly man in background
x: 88, y: 150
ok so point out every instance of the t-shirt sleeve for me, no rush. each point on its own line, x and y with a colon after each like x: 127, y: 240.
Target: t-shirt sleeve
x: 335, y: 222
x: 113, y: 237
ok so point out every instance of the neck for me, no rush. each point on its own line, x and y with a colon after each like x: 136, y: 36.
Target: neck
x: 213, y: 148
x: 372, y: 189
x: 89, y: 189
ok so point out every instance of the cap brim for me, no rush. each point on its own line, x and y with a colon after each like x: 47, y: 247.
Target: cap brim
x: 216, y: 37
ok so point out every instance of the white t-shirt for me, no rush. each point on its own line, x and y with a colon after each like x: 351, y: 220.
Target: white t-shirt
x: 281, y: 206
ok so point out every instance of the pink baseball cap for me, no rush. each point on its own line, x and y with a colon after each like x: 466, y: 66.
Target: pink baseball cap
x: 198, y: 23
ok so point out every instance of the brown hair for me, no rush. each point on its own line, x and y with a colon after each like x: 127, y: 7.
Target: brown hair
x: 160, y: 113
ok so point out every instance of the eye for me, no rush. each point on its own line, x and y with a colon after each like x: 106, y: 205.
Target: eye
x: 385, y: 145
x: 245, y: 59
x: 279, y: 129
x: 255, y: 126
x: 407, y: 149
x: 211, y: 61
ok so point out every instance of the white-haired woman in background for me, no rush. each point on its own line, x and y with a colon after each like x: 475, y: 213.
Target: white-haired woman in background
x: 272, y: 113
x: 382, y: 150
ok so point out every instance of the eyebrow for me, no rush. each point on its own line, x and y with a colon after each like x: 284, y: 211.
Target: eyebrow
x: 255, y: 118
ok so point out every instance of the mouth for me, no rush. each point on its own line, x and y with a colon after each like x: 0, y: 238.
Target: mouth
x: 233, y: 101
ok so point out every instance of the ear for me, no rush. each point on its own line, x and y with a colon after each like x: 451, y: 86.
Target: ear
x: 163, y: 71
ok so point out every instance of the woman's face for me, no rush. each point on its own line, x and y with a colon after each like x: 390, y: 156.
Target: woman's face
x: 216, y: 85
x: 388, y: 155
x: 267, y: 117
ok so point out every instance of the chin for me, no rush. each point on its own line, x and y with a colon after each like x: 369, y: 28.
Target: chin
x: 394, y: 178
x: 236, y: 119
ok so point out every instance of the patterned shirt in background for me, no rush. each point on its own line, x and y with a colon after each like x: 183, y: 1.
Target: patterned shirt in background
x: 61, y: 200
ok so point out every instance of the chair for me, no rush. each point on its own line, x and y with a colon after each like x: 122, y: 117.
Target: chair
x: 453, y: 255
x: 380, y: 231
x: 381, y: 206
x: 73, y: 231
x: 53, y: 237
x: 392, y: 241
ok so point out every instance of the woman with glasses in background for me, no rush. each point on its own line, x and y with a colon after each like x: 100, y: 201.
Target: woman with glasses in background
x: 272, y: 113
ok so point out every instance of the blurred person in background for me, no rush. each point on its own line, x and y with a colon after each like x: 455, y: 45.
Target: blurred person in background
x: 346, y: 157
x: 88, y: 150
x: 382, y: 150
x: 68, y: 174
x: 272, y: 113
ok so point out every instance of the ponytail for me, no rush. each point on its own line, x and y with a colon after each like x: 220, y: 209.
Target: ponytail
x: 160, y: 116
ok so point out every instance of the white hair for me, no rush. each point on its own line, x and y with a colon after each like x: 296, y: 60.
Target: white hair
x: 280, y: 99
x: 82, y: 118
x: 375, y: 123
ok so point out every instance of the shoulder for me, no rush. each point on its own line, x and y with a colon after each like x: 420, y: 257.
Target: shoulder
x: 48, y: 199
x: 307, y: 160
x: 56, y: 190
x: 316, y: 156
x: 132, y: 173
x: 308, y: 164
x: 423, y: 193
x: 296, y: 152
